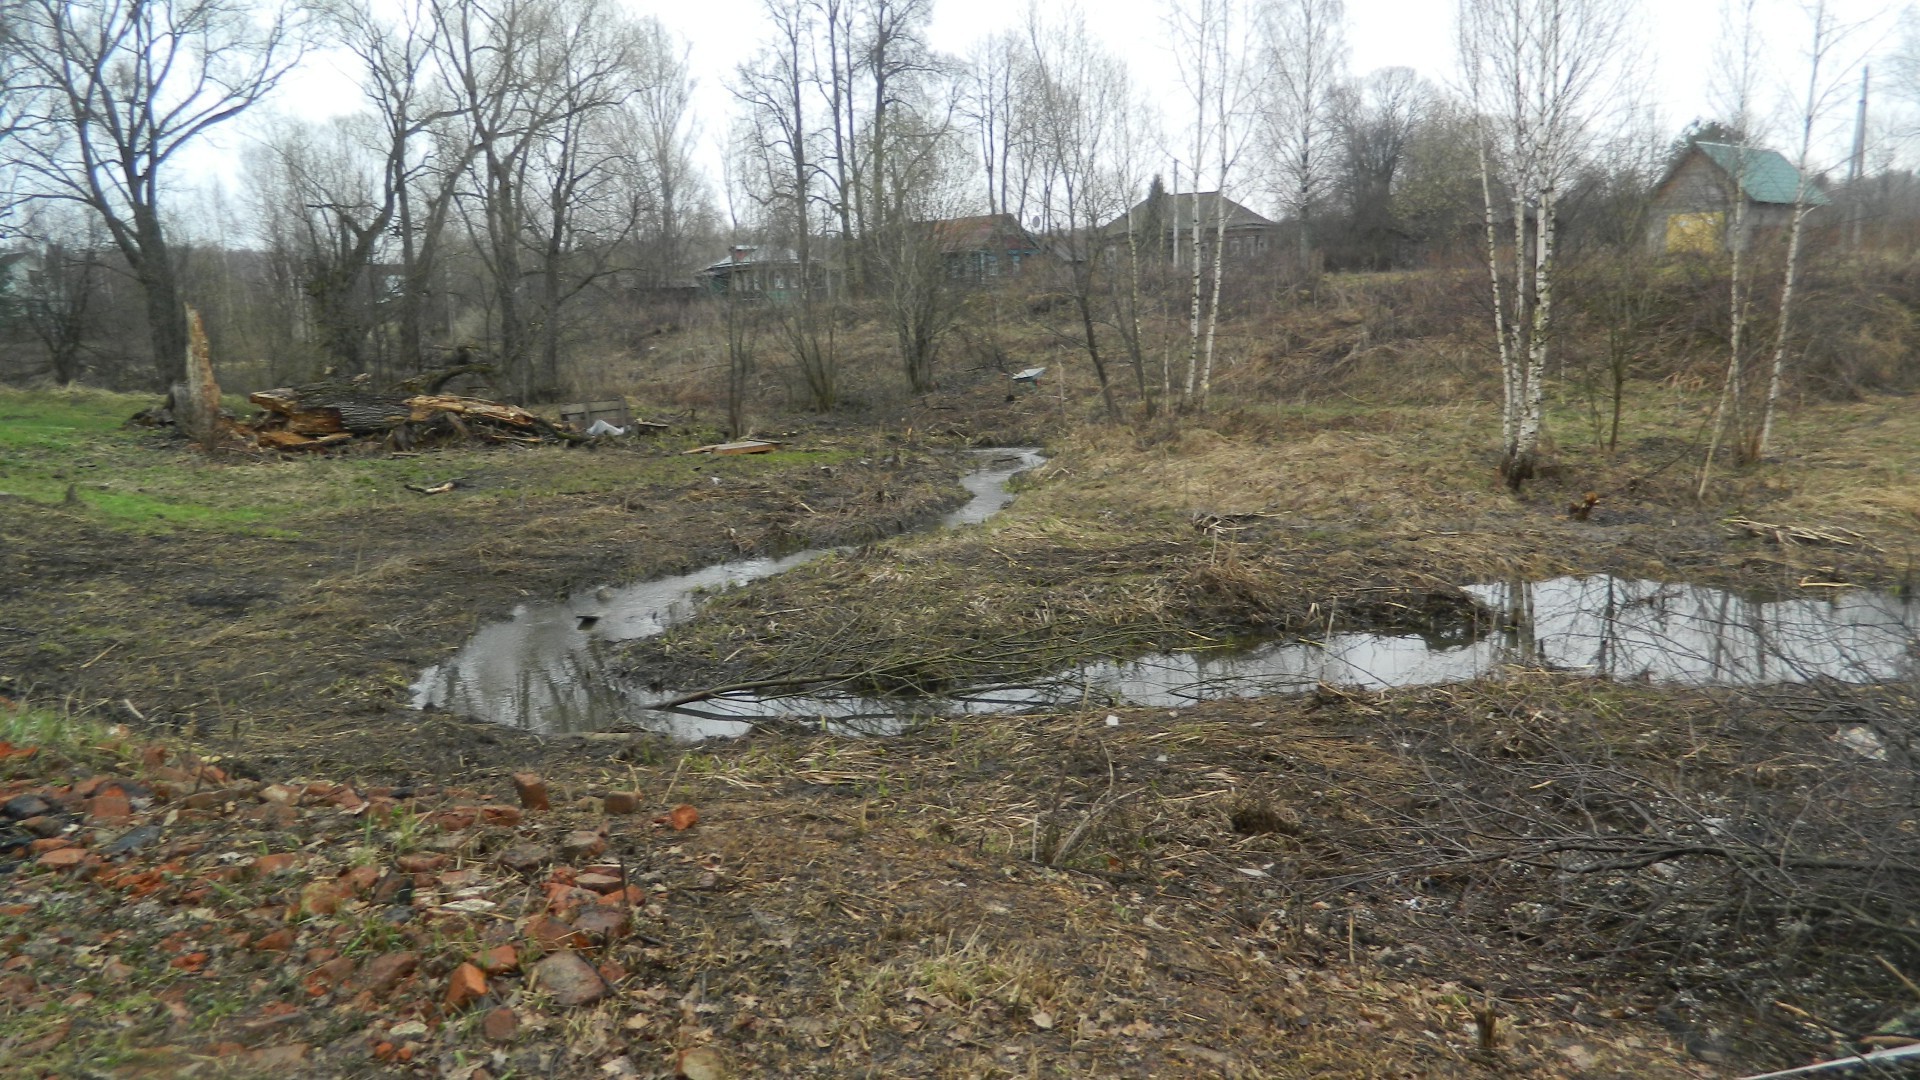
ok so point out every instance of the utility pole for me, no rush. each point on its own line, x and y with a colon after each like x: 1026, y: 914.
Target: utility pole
x: 1857, y: 162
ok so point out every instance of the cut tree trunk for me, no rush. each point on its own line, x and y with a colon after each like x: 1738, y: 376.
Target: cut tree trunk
x: 337, y: 408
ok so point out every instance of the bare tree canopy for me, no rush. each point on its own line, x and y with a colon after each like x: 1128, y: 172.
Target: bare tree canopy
x: 112, y: 90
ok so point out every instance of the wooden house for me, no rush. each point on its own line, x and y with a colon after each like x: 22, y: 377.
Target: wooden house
x: 1693, y: 207
x: 1249, y: 236
x: 977, y: 250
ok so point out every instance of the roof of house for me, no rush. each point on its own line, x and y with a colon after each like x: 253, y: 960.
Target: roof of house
x: 745, y: 255
x: 1181, y: 219
x: 1765, y: 175
x: 1000, y: 232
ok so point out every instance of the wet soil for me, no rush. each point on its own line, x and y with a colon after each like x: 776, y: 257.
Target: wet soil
x: 1338, y: 884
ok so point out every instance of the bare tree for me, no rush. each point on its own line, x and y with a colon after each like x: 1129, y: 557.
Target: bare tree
x: 417, y: 190
x: 997, y: 75
x: 1304, y: 49
x: 113, y: 90
x: 777, y: 139
x: 664, y: 138
x: 529, y: 79
x: 1538, y: 72
x: 1077, y: 93
x: 59, y: 299
x: 337, y: 211
x: 914, y: 277
x: 1377, y: 119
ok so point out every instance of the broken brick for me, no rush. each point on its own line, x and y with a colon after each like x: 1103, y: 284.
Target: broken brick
x: 622, y: 802
x: 420, y: 863
x: 500, y: 1025
x: 466, y: 986
x: 383, y: 973
x: 532, y: 791
x: 275, y: 863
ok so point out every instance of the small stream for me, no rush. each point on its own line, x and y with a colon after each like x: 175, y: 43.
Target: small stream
x: 545, y: 668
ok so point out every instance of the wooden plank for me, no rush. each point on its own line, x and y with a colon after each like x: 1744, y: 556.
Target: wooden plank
x: 751, y: 446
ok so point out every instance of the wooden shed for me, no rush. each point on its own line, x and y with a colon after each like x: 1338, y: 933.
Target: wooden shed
x: 1692, y: 208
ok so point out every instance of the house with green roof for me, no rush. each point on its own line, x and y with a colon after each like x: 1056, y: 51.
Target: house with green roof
x: 1693, y: 207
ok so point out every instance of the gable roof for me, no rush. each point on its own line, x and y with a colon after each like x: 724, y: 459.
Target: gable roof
x: 984, y: 232
x: 1765, y: 175
x: 1181, y: 219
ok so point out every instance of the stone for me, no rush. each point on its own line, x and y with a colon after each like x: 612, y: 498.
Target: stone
x: 383, y: 973
x: 550, y: 933
x: 112, y: 806
x: 500, y: 1025
x: 281, y: 793
x: 526, y: 858
x: 65, y: 858
x: 622, y: 802
x: 700, y: 1063
x: 44, y: 826
x: 532, y: 791
x: 583, y: 844
x: 602, y: 923
x: 467, y: 985
x: 499, y: 960
x: 132, y: 840
x: 320, y: 898
x: 569, y: 980
x: 600, y: 883
x: 274, y: 864
x: 26, y: 806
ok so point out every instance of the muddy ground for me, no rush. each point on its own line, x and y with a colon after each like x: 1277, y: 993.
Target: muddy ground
x: 1508, y: 878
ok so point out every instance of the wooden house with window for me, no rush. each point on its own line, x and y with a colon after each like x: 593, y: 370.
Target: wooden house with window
x: 1693, y: 208
x: 1163, y: 228
x: 981, y: 249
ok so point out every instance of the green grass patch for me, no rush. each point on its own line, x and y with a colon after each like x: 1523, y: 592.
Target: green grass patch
x: 70, y: 447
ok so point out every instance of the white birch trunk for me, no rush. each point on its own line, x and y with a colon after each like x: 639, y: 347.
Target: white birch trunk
x: 1540, y: 337
x: 1213, y: 312
x: 1508, y: 429
x: 1193, y: 316
x: 1800, y: 210
x: 1732, y: 391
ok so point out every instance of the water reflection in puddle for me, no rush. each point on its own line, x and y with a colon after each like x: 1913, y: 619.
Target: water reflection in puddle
x: 544, y: 669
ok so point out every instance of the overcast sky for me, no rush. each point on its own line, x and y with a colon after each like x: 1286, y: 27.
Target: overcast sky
x: 1677, y: 38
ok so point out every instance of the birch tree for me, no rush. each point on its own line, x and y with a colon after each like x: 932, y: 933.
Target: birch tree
x: 1303, y: 48
x: 1539, y: 73
x: 1739, y: 72
x: 1212, y: 43
x: 1826, y: 79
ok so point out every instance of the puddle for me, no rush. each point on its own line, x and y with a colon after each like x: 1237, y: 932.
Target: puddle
x: 544, y: 669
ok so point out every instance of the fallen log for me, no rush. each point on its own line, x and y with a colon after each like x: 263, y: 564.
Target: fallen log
x: 335, y: 408
x: 327, y: 408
